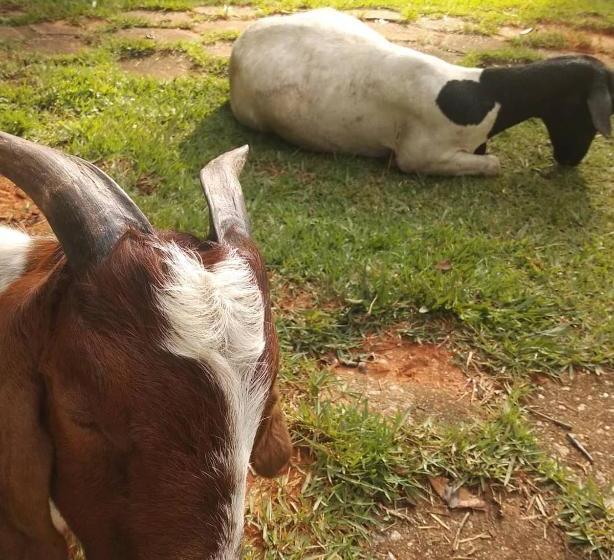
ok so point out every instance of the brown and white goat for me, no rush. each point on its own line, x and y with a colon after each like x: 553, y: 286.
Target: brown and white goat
x: 137, y: 370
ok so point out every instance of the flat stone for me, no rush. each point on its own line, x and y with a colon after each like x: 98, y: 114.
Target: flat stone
x: 222, y: 25
x: 156, y: 17
x: 434, y: 42
x: 228, y: 12
x: 10, y: 34
x: 55, y: 45
x: 162, y: 66
x: 56, y: 28
x: 446, y: 24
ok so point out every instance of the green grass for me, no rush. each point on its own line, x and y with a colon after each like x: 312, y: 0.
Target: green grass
x: 529, y: 287
x: 366, y: 465
x: 542, y: 40
x: 500, y: 57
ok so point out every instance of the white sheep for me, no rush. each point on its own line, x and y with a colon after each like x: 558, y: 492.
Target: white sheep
x: 327, y: 82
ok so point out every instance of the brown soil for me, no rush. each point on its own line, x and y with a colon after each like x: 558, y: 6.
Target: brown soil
x: 17, y: 210
x: 447, y: 24
x: 451, y: 46
x: 447, y: 37
x: 8, y: 10
x: 48, y: 38
x: 586, y: 403
x: 163, y: 66
x: 509, y: 532
x: 228, y: 12
x: 237, y: 25
x: 160, y: 35
x: 155, y: 18
x: 219, y: 48
x: 397, y: 375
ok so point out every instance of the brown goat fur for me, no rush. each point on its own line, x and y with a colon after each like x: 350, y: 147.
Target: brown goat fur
x: 96, y: 414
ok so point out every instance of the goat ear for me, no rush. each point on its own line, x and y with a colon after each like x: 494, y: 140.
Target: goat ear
x: 26, y: 527
x: 220, y: 182
x: 272, y: 447
x: 600, y: 107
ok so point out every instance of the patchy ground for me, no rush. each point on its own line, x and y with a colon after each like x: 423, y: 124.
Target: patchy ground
x: 392, y: 372
x: 515, y: 529
x: 581, y: 406
x: 397, y: 375
x: 164, y: 66
x: 450, y: 38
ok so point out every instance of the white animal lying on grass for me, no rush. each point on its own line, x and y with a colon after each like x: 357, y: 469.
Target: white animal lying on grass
x: 326, y: 81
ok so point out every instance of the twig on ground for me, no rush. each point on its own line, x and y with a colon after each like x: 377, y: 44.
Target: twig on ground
x: 580, y: 447
x: 455, y: 544
x: 552, y: 419
x: 439, y: 521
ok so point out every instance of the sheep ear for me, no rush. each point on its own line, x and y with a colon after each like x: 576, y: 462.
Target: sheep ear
x: 220, y: 182
x: 600, y: 107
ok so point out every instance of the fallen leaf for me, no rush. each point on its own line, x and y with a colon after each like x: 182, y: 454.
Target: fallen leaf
x: 444, y: 265
x: 458, y: 498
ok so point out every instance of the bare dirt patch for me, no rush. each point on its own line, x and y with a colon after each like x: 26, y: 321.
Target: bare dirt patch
x: 158, y: 34
x: 445, y: 24
x: 397, y: 375
x: 450, y: 46
x: 156, y: 18
x: 11, y: 11
x: 228, y: 12
x: 163, y: 66
x: 219, y: 48
x: 56, y: 37
x: 586, y: 403
x: 17, y: 210
x: 508, y: 532
x: 236, y: 25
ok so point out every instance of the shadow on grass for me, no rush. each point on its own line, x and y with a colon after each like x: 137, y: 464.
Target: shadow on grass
x: 527, y: 199
x: 368, y: 238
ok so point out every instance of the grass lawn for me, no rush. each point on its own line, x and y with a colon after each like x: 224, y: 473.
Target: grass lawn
x: 516, y: 271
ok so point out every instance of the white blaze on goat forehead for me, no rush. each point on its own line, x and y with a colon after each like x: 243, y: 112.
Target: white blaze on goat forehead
x: 14, y: 247
x: 216, y: 316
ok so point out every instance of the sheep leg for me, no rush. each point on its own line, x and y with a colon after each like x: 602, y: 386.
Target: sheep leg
x: 459, y: 163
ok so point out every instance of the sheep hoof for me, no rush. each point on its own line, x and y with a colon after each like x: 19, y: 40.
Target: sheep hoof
x: 492, y: 166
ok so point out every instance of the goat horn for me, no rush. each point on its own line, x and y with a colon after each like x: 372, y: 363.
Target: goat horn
x: 86, y: 209
x: 220, y: 182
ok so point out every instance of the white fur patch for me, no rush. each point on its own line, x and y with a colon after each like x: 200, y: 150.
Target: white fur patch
x: 14, y: 247
x: 216, y: 317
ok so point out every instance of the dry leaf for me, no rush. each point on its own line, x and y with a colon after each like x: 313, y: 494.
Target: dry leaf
x: 459, y: 498
x: 444, y: 265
